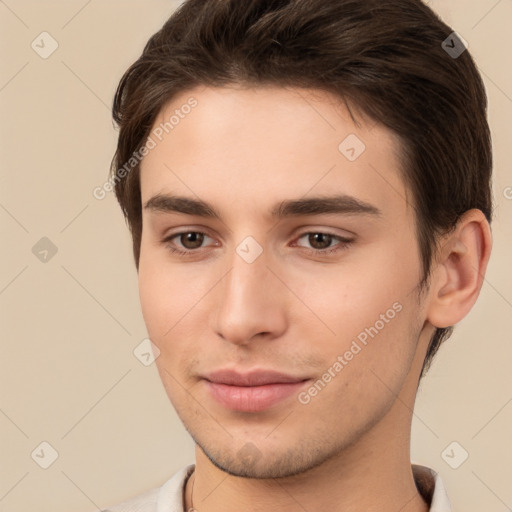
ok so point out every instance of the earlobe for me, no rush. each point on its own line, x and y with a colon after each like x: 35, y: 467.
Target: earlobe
x: 459, y: 270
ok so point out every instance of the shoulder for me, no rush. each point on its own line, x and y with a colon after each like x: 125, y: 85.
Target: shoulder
x: 170, y: 494
x: 431, y: 487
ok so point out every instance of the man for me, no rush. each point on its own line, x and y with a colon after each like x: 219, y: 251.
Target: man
x: 307, y: 185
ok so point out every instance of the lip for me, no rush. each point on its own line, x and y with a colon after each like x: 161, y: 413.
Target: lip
x: 253, y: 391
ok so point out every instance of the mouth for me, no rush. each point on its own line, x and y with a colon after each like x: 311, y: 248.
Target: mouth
x: 251, y: 392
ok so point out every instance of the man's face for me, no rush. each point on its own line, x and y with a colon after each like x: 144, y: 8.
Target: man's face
x: 257, y: 292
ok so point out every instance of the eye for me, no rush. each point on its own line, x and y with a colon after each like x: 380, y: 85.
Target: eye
x: 191, y: 241
x: 323, y: 241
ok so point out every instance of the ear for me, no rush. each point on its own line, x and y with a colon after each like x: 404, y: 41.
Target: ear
x: 459, y: 270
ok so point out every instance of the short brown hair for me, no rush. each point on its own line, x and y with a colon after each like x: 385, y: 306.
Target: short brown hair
x: 386, y: 57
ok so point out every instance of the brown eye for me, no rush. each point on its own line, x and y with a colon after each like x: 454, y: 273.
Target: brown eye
x: 186, y: 243
x: 191, y: 239
x: 320, y: 241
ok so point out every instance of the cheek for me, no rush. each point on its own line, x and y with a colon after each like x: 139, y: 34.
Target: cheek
x: 364, y: 373
x: 162, y: 309
x: 172, y: 299
x: 152, y: 298
x: 346, y: 297
x: 370, y: 317
x: 160, y: 304
x: 166, y: 293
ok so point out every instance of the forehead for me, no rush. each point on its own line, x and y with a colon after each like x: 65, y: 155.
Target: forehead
x: 250, y: 146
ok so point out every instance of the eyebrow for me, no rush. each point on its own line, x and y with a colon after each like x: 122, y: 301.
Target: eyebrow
x: 337, y: 204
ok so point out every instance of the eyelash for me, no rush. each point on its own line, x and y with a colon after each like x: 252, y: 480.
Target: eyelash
x: 343, y: 245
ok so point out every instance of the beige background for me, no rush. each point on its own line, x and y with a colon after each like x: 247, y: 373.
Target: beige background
x: 69, y: 325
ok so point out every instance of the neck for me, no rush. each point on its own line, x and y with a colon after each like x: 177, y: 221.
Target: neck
x: 369, y: 475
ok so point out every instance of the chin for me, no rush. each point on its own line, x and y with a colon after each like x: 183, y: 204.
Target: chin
x: 250, y: 462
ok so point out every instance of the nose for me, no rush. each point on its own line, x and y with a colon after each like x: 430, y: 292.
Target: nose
x: 250, y: 300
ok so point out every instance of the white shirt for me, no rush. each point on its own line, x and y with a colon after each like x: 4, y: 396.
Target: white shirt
x: 169, y: 497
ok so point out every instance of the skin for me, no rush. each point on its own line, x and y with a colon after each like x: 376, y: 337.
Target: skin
x: 243, y: 151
